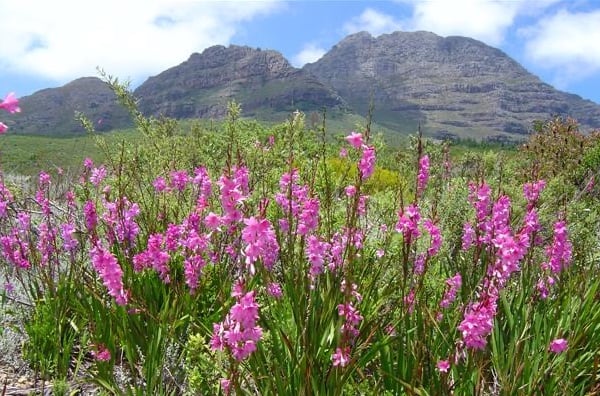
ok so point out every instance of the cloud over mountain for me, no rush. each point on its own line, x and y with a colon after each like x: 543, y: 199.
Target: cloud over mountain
x: 63, y: 39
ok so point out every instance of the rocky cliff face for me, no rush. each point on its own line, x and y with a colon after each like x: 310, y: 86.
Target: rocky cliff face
x: 452, y: 85
x: 52, y: 111
x: 262, y: 81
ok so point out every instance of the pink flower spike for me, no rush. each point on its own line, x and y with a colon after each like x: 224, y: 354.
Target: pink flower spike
x: 10, y: 103
x: 443, y: 366
x: 3, y: 128
x: 423, y: 175
x: 558, y: 345
x: 355, y: 140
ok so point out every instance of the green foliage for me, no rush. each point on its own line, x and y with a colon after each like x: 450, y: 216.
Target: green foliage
x: 165, y: 339
x: 53, y: 334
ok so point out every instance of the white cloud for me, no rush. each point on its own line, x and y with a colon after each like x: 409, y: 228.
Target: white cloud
x: 310, y: 53
x: 373, y: 22
x: 485, y: 20
x: 566, y: 42
x: 64, y: 39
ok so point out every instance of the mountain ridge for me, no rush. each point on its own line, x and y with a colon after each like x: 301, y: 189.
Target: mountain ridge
x: 450, y: 86
x: 446, y: 82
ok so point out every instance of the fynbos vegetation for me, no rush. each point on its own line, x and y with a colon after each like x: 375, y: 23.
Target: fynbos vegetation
x: 278, y: 261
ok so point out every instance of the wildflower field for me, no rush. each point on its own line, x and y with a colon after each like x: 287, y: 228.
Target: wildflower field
x: 282, y: 260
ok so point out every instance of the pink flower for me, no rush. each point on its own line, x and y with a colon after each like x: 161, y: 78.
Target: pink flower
x: 274, y: 290
x: 3, y: 127
x: 443, y: 366
x: 366, y: 165
x: 109, y: 270
x: 479, y: 197
x: 343, y: 153
x: 468, y: 236
x: 532, y: 191
x: 179, y: 180
x: 67, y: 232
x: 98, y: 174
x: 560, y: 252
x: 261, y: 243
x: 159, y: 184
x: 558, y: 345
x: 91, y: 218
x: 355, y: 140
x: 454, y: 284
x: 155, y: 257
x: 202, y: 180
x: 408, y: 222
x: 212, y: 221
x: 350, y: 190
x: 10, y: 103
x: 341, y: 357
x: 478, y: 321
x: 102, y: 354
x: 232, y: 195
x: 590, y: 184
x: 88, y: 163
x: 238, y: 332
x: 436, y: 237
x: 423, y: 175
x: 8, y: 288
x: 317, y: 252
x: 225, y: 385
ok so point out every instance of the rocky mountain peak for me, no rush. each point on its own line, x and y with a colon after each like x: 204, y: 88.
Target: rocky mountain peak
x: 259, y: 79
x: 450, y: 85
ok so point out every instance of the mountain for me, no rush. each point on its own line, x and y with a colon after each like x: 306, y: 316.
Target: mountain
x: 451, y: 85
x: 262, y: 81
x: 52, y: 111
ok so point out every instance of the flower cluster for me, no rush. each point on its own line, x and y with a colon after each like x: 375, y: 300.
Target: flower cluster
x: 109, y: 270
x: 294, y: 200
x: 261, y: 242
x: 11, y: 105
x: 318, y: 254
x: 493, y: 234
x: 233, y: 194
x: 120, y: 216
x: 559, y: 254
x: 349, y: 330
x: 532, y: 191
x: 478, y: 320
x: 238, y: 332
x: 366, y: 164
x: 454, y: 283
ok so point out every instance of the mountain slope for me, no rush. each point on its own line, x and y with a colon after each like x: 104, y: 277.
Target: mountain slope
x: 262, y: 81
x: 51, y: 111
x: 452, y: 85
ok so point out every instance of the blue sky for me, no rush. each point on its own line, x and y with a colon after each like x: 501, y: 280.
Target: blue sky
x: 49, y: 43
